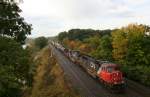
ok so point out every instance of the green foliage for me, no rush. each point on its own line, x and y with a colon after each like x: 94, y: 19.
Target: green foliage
x: 103, y: 50
x: 62, y: 36
x: 131, y: 49
x: 14, y: 60
x: 11, y: 23
x: 41, y: 42
x: 138, y: 73
x: 119, y: 44
x: 94, y: 42
x: 79, y: 34
x: 14, y: 68
x: 82, y: 34
x: 130, y: 45
x: 138, y: 46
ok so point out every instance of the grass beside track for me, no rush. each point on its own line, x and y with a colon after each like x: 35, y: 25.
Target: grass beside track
x: 49, y: 80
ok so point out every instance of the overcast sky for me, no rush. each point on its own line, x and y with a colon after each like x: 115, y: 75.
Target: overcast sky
x: 49, y: 17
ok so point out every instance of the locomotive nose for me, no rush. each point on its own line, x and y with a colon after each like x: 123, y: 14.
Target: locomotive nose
x: 117, y: 77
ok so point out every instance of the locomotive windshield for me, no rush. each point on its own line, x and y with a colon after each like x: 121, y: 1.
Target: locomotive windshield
x: 111, y: 68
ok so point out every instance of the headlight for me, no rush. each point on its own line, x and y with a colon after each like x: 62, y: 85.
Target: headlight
x: 122, y: 82
x: 114, y: 79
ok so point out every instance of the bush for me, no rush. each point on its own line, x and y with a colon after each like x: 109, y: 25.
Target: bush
x: 41, y: 42
x: 138, y: 73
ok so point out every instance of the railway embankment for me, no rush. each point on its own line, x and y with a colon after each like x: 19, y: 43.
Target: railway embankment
x: 49, y: 79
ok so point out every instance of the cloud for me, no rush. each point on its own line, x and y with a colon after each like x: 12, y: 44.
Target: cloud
x: 52, y: 16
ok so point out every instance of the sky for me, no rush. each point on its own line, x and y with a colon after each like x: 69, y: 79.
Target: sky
x: 50, y: 17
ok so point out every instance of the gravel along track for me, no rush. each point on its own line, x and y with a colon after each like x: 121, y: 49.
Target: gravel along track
x: 89, y: 87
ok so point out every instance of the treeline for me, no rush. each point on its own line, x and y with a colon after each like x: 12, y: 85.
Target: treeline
x: 127, y: 46
x: 15, y: 61
x: 81, y: 34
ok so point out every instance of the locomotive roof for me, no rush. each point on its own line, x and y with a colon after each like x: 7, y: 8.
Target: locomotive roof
x: 108, y: 64
x: 102, y: 61
x: 89, y: 57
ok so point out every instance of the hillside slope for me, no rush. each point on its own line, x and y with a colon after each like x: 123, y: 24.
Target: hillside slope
x: 49, y: 80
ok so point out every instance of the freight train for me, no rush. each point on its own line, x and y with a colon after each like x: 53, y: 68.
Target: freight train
x: 108, y: 73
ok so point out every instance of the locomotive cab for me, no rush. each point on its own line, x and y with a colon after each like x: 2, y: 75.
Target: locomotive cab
x: 110, y: 74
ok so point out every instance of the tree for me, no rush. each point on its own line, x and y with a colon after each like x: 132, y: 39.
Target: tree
x: 94, y: 42
x: 82, y: 34
x: 131, y: 48
x: 14, y: 60
x: 137, y: 53
x: 41, y: 42
x: 84, y: 48
x: 62, y: 36
x: 105, y: 48
x: 14, y: 68
x: 119, y: 44
x: 11, y: 23
x: 102, y: 47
